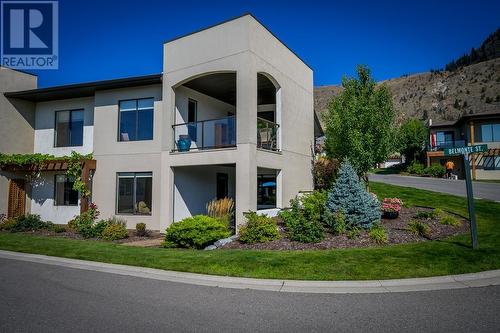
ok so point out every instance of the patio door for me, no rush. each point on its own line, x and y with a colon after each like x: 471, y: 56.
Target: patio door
x: 17, y: 198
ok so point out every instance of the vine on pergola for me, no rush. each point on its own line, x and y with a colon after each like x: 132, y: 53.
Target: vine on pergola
x: 37, y: 161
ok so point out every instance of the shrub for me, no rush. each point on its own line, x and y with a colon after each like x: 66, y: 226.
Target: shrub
x: 114, y: 231
x: 84, y: 223
x: 435, y: 170
x: 324, y: 170
x: 58, y: 228
x: 336, y: 222
x: 195, y: 232
x: 378, y: 234
x: 449, y: 220
x: 140, y: 229
x: 419, y: 228
x: 432, y: 214
x: 29, y: 222
x: 361, y: 209
x: 8, y: 224
x: 415, y: 168
x: 222, y: 209
x: 259, y: 229
x: 303, y: 224
x: 354, y: 232
x: 314, y: 205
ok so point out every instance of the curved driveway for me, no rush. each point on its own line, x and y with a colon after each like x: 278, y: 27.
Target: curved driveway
x: 482, y: 190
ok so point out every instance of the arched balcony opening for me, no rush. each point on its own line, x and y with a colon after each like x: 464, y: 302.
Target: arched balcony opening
x: 268, y: 112
x: 205, y: 112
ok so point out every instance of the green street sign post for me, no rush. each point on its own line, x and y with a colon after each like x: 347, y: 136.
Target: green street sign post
x: 465, y: 151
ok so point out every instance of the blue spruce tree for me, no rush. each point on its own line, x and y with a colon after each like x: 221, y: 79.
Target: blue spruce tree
x: 348, y: 194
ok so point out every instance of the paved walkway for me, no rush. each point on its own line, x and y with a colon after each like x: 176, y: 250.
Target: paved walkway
x: 481, y: 279
x: 482, y: 190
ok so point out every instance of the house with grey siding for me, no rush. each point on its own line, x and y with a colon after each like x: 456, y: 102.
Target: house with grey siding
x: 231, y: 115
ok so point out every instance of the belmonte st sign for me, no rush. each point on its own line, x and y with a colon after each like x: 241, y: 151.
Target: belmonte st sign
x: 465, y: 150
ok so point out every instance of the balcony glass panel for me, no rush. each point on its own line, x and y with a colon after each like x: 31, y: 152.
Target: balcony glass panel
x: 267, y: 134
x: 205, y: 134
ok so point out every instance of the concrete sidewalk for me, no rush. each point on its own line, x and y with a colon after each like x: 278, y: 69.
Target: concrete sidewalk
x: 481, y: 279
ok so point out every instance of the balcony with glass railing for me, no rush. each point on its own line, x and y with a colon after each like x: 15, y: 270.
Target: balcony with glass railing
x: 441, y: 145
x: 267, y: 134
x: 205, y: 134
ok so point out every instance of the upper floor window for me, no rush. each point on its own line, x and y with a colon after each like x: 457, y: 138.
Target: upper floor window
x: 136, y: 120
x: 490, y: 133
x: 444, y: 137
x: 69, y: 128
x: 64, y: 194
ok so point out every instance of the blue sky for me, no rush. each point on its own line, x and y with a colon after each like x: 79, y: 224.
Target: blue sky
x: 112, y: 39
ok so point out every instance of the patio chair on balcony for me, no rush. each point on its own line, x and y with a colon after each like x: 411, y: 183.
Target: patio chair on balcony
x: 266, y: 138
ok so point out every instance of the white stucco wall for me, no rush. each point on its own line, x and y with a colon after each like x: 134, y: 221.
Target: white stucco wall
x: 45, y: 123
x: 247, y: 48
x: 42, y: 201
x: 195, y: 186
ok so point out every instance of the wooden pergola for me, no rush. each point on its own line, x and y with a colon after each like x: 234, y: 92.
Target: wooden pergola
x: 56, y: 165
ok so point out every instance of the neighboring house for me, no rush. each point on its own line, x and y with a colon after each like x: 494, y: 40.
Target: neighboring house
x: 468, y: 130
x: 231, y: 115
x: 16, y: 135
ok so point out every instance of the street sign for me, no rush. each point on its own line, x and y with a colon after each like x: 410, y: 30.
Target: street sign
x: 465, y: 150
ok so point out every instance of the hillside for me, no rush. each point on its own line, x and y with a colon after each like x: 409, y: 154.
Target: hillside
x: 442, y: 95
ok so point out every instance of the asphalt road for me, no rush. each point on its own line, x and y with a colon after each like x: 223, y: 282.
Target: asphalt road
x: 481, y: 190
x: 37, y: 297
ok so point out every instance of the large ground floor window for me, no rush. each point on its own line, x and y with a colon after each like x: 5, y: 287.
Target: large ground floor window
x: 134, y: 192
x: 266, y: 191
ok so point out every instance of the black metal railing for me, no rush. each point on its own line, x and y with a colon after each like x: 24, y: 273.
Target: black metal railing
x: 267, y: 134
x: 205, y: 134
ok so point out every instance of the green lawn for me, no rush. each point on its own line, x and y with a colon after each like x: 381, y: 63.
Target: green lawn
x: 452, y: 256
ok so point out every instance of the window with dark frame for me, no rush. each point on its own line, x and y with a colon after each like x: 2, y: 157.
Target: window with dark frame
x: 64, y: 194
x: 134, y: 193
x: 266, y: 191
x: 192, y: 118
x: 222, y: 185
x: 136, y: 119
x: 69, y: 128
x: 490, y: 133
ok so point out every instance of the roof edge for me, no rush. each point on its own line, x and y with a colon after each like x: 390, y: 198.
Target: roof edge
x: 97, y: 84
x: 233, y: 19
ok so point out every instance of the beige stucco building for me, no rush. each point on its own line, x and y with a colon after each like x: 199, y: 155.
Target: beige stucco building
x: 230, y: 115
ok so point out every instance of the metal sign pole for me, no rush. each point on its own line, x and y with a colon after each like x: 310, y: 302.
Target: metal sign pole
x: 470, y: 201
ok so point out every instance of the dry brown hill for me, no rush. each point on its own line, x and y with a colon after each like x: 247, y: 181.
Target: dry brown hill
x: 440, y: 95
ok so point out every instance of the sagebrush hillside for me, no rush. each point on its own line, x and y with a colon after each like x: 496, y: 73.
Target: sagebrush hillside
x: 442, y: 95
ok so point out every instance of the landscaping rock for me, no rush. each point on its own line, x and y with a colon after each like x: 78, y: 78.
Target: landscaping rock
x: 210, y: 248
x: 224, y: 241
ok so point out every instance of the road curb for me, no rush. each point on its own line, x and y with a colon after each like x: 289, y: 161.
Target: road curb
x: 480, y: 279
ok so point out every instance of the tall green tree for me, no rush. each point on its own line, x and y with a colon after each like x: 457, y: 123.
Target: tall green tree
x: 411, y: 139
x: 360, y: 123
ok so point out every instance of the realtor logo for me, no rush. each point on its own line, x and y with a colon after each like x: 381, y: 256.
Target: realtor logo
x: 29, y: 34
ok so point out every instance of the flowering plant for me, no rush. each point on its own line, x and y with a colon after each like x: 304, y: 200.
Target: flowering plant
x: 391, y: 205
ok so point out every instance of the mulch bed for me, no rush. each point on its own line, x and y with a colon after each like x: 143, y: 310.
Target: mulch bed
x: 132, y: 237
x: 396, y: 230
